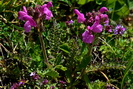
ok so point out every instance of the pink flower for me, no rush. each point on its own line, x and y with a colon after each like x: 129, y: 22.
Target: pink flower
x: 103, y: 9
x: 104, y: 19
x: 96, y: 27
x: 87, y: 37
x: 29, y: 18
x: 44, y: 10
x: 23, y: 15
x: 27, y: 26
x: 49, y: 4
x: 48, y: 13
x: 81, y: 18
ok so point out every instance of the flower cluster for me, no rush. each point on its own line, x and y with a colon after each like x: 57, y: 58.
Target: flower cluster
x: 96, y: 22
x: 31, y: 15
x: 119, y: 29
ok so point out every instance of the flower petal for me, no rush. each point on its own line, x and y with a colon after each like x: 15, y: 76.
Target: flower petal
x: 87, y: 37
x: 103, y: 9
x: 98, y: 28
x: 29, y: 18
x: 104, y: 18
x: 88, y: 28
x: 81, y: 18
x: 49, y: 4
x: 21, y: 14
x: 27, y: 26
x: 48, y: 13
x: 24, y: 9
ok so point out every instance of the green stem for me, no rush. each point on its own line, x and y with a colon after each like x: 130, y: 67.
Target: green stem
x: 43, y: 48
x: 90, y: 49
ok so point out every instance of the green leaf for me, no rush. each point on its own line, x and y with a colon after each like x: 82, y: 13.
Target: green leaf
x: 58, y: 59
x: 111, y: 3
x: 129, y: 65
x: 17, y: 27
x: 85, y: 61
x: 84, y: 1
x: 120, y: 8
x: 130, y: 4
x: 123, y: 11
x: 99, y: 2
x: 65, y: 48
x: 61, y: 67
x: 87, y: 81
x: 84, y: 49
x: 67, y: 2
x: 53, y: 74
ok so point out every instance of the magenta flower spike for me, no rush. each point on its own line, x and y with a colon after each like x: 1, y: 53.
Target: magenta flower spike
x: 103, y: 9
x: 81, y: 18
x: 87, y: 37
